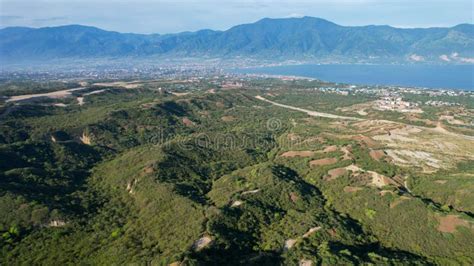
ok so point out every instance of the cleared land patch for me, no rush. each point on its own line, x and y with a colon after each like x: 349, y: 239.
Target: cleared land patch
x: 320, y: 162
x: 335, y: 173
x: 449, y: 223
x: 202, y: 243
x: 187, y: 122
x: 228, y: 118
x: 377, y: 154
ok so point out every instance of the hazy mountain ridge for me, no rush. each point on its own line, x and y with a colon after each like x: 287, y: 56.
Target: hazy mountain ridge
x: 291, y: 38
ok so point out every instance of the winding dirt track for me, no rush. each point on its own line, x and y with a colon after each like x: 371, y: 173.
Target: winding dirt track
x: 310, y: 113
x: 439, y: 129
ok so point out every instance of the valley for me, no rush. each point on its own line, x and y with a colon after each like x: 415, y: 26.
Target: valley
x: 248, y: 170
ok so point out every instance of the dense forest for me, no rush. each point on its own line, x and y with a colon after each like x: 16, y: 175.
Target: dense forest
x: 194, y: 173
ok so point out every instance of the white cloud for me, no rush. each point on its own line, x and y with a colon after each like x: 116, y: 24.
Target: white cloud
x: 444, y: 58
x: 417, y: 58
x: 294, y: 15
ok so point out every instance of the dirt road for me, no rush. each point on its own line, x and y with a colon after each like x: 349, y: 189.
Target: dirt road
x: 310, y: 113
x: 54, y: 94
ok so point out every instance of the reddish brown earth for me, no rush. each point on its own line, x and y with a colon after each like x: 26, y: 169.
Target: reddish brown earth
x: 148, y: 170
x: 448, y: 224
x: 320, y: 162
x: 377, y: 154
x: 331, y: 148
x: 294, y: 197
x: 228, y: 118
x: 188, y: 122
x: 335, y: 173
x: 366, y: 140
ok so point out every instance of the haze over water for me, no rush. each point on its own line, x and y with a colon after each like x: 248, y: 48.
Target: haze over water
x: 429, y: 76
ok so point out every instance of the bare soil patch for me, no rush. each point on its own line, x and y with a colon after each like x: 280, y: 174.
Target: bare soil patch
x: 236, y: 203
x: 305, y: 262
x: 289, y: 243
x: 86, y: 139
x: 311, y: 231
x: 451, y: 120
x: 57, y: 223
x: 369, y: 142
x: 228, y: 118
x: 148, y: 170
x: 379, y: 180
x: 377, y: 154
x: 52, y: 95
x: 294, y: 197
x: 320, y: 162
x: 442, y: 182
x: 202, y: 243
x: 250, y: 192
x: 347, y: 150
x: 417, y: 158
x: 448, y: 224
x: 131, y: 185
x: 187, y: 122
x: 354, y: 168
x: 362, y: 112
x: 331, y: 148
x: 335, y: 173
x: 80, y: 101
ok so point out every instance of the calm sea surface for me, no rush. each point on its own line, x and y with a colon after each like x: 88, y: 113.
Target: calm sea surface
x: 449, y: 77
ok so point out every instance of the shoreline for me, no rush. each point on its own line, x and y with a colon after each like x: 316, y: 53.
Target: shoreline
x: 264, y: 72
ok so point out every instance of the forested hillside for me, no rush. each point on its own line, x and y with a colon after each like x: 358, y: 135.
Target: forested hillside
x: 201, y: 173
x: 305, y: 38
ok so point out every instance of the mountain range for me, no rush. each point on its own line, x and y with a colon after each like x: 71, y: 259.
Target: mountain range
x: 307, y: 38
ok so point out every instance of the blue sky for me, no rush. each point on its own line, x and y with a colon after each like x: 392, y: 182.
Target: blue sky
x: 167, y: 16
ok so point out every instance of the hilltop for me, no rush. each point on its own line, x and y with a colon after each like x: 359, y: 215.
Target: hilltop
x: 307, y: 39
